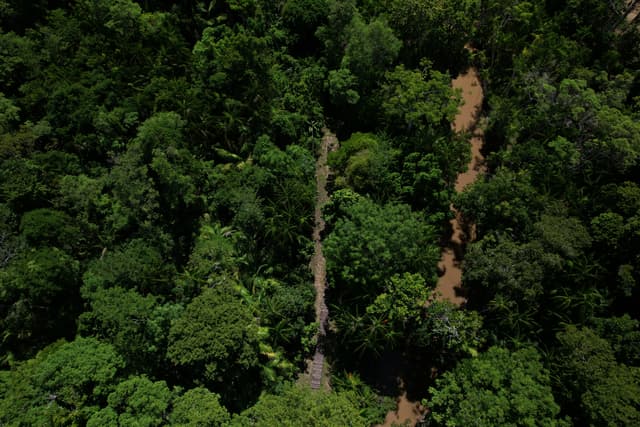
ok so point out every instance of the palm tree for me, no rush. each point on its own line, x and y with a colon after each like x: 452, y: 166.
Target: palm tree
x: 365, y: 333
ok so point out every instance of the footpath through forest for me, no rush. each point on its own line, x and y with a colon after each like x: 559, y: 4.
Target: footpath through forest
x: 449, y: 283
x: 318, y: 262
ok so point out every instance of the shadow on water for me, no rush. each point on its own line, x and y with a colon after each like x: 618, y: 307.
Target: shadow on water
x: 391, y: 373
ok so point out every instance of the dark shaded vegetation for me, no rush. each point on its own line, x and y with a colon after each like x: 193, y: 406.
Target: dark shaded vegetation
x: 157, y: 194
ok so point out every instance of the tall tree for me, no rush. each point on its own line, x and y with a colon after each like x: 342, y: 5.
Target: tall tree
x: 296, y: 405
x: 136, y: 401
x: 433, y: 29
x: 593, y: 387
x: 39, y: 298
x: 498, y: 388
x: 371, y: 243
x: 63, y: 385
x: 216, y: 343
x: 197, y: 407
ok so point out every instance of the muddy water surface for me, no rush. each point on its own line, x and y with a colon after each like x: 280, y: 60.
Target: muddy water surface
x: 448, y: 286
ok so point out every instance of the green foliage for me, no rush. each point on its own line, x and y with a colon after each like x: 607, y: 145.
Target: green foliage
x: 398, y: 306
x: 134, y: 201
x: 135, y: 265
x: 198, y: 407
x: 160, y: 157
x: 162, y: 130
x: 297, y: 405
x: 25, y: 184
x: 418, y: 107
x: 335, y: 33
x: 623, y: 333
x: 19, y: 61
x: 286, y: 310
x: 304, y: 16
x: 9, y: 243
x: 497, y: 388
x: 506, y: 201
x: 368, y: 165
x: 418, y: 102
x: 215, y: 342
x: 340, y: 202
x: 342, y: 86
x: 23, y: 141
x: 290, y: 195
x: 590, y: 21
x: 402, y: 300
x: 371, y: 243
x: 588, y: 134
x: 213, y: 260
x: 136, y: 326
x: 380, y: 262
x: 505, y: 28
x: 180, y: 179
x: 564, y: 236
x: 508, y: 281
x: 48, y: 227
x: 39, y: 299
x: 371, y: 48
x: 232, y: 67
x: 137, y: 401
x: 81, y: 196
x: 297, y: 110
x: 435, y: 29
x: 19, y: 184
x: 8, y: 114
x: 423, y: 184
x: 449, y: 332
x: 607, y: 229
x: 63, y: 385
x: 374, y: 408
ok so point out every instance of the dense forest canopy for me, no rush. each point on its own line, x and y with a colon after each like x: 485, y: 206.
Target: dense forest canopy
x: 157, y: 189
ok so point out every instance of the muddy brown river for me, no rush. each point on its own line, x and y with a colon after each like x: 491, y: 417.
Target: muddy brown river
x: 448, y: 285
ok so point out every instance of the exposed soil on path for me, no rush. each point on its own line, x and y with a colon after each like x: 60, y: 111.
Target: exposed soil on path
x: 318, y: 262
x: 448, y: 286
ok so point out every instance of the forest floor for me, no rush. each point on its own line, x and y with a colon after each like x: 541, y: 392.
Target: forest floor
x: 449, y: 283
x: 318, y: 262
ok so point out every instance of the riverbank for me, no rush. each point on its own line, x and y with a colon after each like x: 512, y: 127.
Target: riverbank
x: 449, y: 283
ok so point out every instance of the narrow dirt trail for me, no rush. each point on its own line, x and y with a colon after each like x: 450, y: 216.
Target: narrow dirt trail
x: 318, y: 262
x: 448, y: 285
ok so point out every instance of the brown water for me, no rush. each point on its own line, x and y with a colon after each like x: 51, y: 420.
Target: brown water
x: 406, y: 411
x: 448, y: 286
